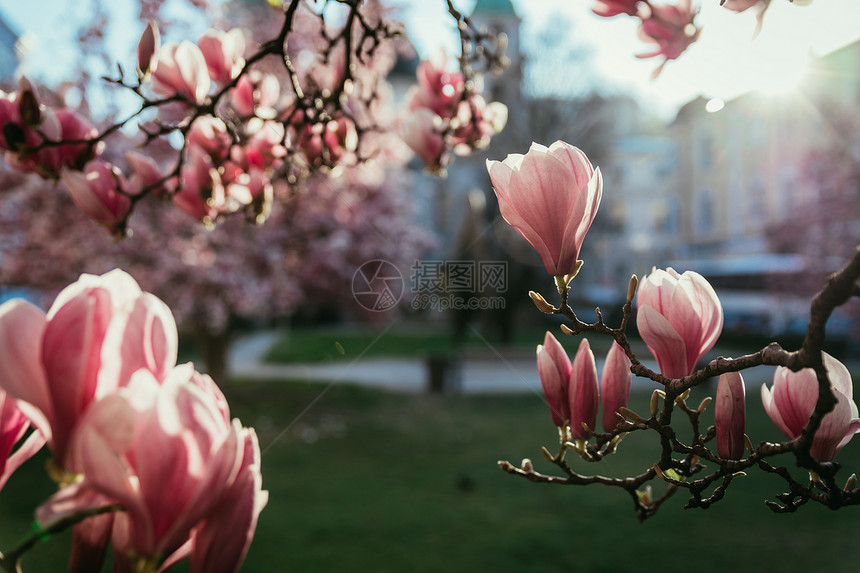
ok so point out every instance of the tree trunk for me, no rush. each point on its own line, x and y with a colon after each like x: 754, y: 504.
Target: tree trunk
x: 213, y: 348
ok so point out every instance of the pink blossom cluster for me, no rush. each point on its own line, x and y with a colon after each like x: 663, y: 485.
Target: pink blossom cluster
x: 445, y: 113
x: 550, y: 196
x: 671, y: 27
x: 98, y: 379
x: 239, y: 133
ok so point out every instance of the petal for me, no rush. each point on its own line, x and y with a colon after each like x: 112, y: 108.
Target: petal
x: 773, y: 411
x: 795, y: 395
x: 90, y: 539
x: 839, y: 376
x: 833, y: 429
x: 221, y: 544
x: 22, y: 375
x: 664, y: 342
x: 27, y: 450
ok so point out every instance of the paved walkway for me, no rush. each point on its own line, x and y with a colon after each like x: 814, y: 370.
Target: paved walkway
x: 477, y: 375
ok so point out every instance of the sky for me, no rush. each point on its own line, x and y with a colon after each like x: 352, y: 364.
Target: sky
x: 725, y: 62
x: 584, y: 50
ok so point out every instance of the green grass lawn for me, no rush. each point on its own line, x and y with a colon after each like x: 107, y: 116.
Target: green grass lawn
x: 362, y: 480
x: 322, y: 345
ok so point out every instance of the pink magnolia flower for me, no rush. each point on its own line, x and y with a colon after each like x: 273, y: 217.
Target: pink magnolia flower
x: 263, y: 147
x: 609, y: 8
x: 475, y: 124
x: 99, y: 331
x: 202, y: 192
x: 679, y: 318
x: 181, y: 70
x: 614, y: 385
x: 550, y: 196
x: 583, y: 392
x: 672, y: 28
x: 554, y: 369
x: 422, y: 132
x: 147, y: 48
x: 327, y: 143
x: 209, y: 134
x: 13, y: 425
x: 791, y: 400
x: 187, y: 478
x: 100, y: 192
x: 62, y: 124
x: 438, y: 90
x: 146, y: 174
x: 730, y: 415
x: 223, y: 52
x: 256, y: 93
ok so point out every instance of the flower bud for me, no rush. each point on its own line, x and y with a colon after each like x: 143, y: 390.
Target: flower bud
x: 554, y: 368
x: 730, y: 416
x: 541, y: 303
x: 615, y: 385
x: 147, y: 49
x: 583, y: 392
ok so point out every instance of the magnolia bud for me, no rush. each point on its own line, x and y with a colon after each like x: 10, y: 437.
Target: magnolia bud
x: 631, y: 415
x: 541, y: 303
x: 527, y: 466
x: 549, y: 457
x: 654, y: 402
x: 631, y: 288
x: 851, y: 483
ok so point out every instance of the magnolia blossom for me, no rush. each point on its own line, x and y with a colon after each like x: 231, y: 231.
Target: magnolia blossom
x: 256, y: 93
x: 438, y: 89
x: 614, y: 385
x: 550, y: 196
x: 223, y: 52
x: 98, y: 332
x: 27, y: 123
x: 554, y: 369
x: 475, y: 124
x: 100, y: 192
x: 792, y: 398
x: 326, y: 143
x: 583, y: 392
x: 182, y: 70
x: 187, y: 477
x: 202, y: 193
x: 730, y: 415
x: 422, y: 132
x: 679, y: 318
x: 671, y: 27
x: 609, y: 8
x: 146, y: 174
